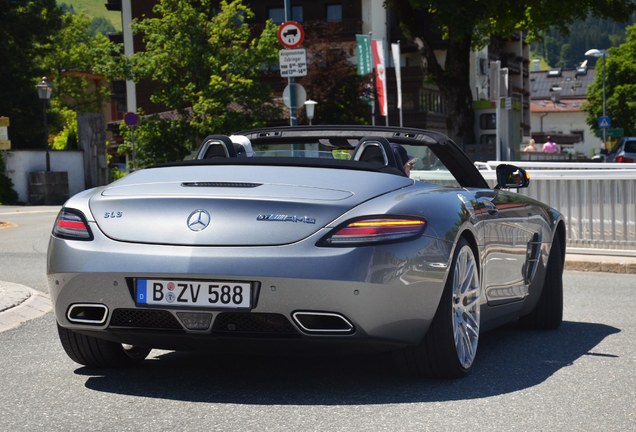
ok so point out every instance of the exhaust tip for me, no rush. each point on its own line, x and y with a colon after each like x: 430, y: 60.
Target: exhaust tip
x: 87, y: 313
x: 323, y: 322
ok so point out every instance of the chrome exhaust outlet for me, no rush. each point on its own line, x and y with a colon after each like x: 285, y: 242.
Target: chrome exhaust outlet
x: 87, y: 313
x: 323, y: 322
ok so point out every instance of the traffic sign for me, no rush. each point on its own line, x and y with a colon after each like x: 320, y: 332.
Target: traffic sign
x: 604, y: 122
x: 292, y: 62
x: 131, y: 119
x: 291, y: 34
x: 611, y: 133
x: 299, y: 92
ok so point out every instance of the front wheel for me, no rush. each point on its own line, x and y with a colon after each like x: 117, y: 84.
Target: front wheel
x: 548, y: 313
x: 449, y: 348
x: 94, y: 352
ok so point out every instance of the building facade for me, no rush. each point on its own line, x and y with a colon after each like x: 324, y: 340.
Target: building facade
x: 558, y: 98
x: 505, y: 62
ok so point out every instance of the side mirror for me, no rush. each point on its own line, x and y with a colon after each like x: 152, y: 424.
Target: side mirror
x: 511, y: 177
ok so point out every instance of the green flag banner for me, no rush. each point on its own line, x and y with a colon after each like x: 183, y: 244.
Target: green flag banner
x: 363, y: 53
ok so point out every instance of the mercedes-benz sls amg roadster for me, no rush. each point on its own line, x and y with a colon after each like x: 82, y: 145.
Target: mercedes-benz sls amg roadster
x: 332, y: 238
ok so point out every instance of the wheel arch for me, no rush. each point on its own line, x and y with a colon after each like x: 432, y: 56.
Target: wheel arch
x: 559, y: 236
x: 472, y: 241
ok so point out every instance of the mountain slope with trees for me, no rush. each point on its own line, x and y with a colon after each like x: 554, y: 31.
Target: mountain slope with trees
x: 567, y: 50
x: 95, y: 9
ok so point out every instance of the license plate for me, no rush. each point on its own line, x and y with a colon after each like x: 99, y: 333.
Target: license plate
x: 180, y: 293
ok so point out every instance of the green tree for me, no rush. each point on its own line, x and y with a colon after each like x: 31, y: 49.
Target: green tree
x: 157, y: 140
x: 207, y: 64
x: 101, y: 25
x: 458, y: 26
x: 81, y: 63
x: 618, y: 69
x: 26, y: 29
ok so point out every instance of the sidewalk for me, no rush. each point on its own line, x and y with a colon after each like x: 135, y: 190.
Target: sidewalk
x: 19, y: 303
x: 593, y: 260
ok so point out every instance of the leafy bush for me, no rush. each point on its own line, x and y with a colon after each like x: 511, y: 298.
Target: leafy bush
x: 7, y: 194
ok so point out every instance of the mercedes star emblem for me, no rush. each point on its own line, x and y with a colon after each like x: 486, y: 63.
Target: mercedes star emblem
x: 198, y: 220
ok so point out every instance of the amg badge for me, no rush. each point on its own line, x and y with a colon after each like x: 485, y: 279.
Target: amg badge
x: 285, y: 218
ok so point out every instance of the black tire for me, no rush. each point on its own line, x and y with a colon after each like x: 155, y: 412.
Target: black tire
x: 94, y: 352
x: 548, y: 313
x: 449, y: 347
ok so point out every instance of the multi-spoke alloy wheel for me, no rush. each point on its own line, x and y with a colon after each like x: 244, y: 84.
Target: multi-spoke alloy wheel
x: 465, y: 306
x: 449, y: 347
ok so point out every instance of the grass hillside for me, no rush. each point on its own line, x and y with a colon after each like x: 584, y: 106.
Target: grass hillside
x: 94, y: 9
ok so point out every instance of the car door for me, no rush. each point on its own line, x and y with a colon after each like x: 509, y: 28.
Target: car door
x: 510, y: 247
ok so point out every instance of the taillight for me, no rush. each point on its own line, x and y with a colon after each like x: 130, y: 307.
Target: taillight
x: 71, y: 225
x: 374, y: 230
x: 624, y: 159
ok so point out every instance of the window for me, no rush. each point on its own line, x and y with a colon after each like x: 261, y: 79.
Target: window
x: 488, y: 121
x: 431, y: 101
x: 334, y: 13
x: 488, y: 139
x: 579, y: 133
x: 278, y: 14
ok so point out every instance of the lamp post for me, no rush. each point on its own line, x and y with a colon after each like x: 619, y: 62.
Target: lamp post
x: 310, y: 106
x: 45, y: 89
x: 600, y: 53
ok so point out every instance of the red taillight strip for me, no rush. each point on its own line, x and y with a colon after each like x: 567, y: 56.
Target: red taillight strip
x: 368, y: 231
x: 380, y: 227
x: 71, y: 225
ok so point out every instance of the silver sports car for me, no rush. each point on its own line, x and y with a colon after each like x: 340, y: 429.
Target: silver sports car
x: 332, y: 238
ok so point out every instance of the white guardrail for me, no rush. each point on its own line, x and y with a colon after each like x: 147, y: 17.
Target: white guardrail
x: 597, y: 200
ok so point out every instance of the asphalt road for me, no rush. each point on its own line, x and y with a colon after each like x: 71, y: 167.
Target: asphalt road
x: 579, y: 378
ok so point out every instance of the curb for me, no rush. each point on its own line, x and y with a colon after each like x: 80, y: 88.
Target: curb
x: 603, y: 264
x: 12, y: 295
x: 21, y: 304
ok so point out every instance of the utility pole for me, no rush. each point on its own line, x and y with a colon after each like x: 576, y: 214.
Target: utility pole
x: 293, y: 115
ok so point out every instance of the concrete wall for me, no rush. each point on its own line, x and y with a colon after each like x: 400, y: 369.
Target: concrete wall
x: 21, y: 162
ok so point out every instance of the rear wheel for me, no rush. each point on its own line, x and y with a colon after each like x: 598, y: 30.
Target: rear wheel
x: 94, y: 352
x: 548, y: 313
x: 449, y: 348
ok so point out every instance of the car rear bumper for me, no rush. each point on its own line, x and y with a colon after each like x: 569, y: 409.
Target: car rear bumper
x: 376, y: 294
x: 286, y: 309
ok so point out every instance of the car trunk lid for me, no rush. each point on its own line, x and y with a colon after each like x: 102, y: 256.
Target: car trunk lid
x: 232, y: 205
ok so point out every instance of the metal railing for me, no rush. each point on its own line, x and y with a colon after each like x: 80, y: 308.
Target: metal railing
x: 597, y: 200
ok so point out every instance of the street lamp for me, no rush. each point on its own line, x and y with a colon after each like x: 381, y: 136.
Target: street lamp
x: 310, y: 106
x: 44, y: 93
x: 600, y: 53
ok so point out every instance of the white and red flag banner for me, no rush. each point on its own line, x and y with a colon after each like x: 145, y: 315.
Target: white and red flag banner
x: 395, y: 50
x: 380, y: 76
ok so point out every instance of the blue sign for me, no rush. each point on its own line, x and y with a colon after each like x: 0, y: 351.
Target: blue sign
x: 604, y: 122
